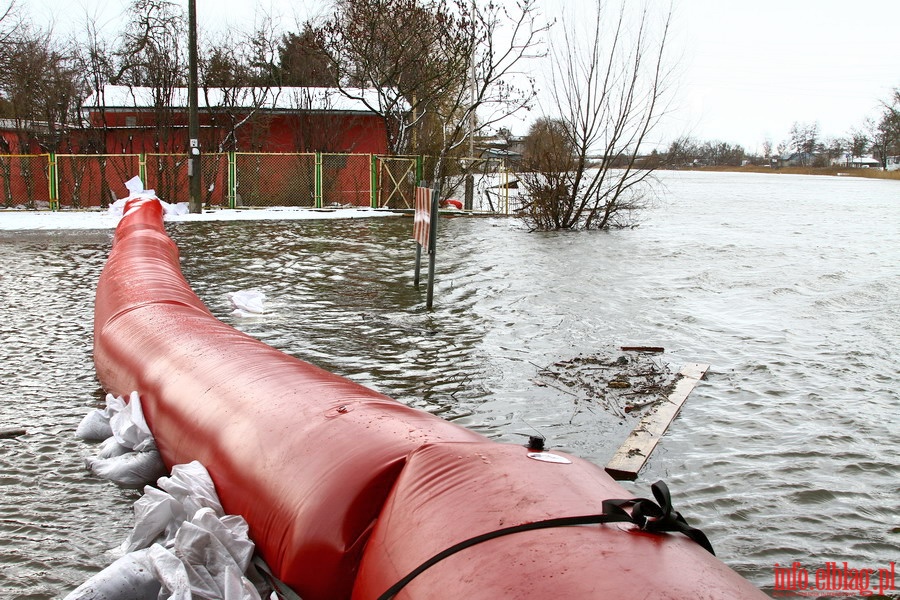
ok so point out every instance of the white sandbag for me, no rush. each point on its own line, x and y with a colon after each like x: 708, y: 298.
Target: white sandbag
x: 109, y: 448
x: 136, y: 189
x: 96, y: 424
x: 215, y: 560
x: 131, y: 470
x: 130, y: 428
x: 231, y: 531
x: 170, y: 572
x: 160, y: 512
x: 191, y: 485
x: 128, y: 578
x: 248, y: 301
x: 209, y: 554
x: 157, y: 517
x: 180, y: 208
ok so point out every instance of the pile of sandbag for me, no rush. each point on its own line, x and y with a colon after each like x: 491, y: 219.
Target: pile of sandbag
x: 127, y: 455
x: 182, y: 545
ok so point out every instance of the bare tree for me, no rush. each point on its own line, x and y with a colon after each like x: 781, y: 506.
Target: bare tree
x: 39, y: 91
x: 886, y: 132
x: 834, y: 148
x: 8, y: 24
x: 682, y: 152
x: 610, y: 87
x: 432, y: 65
x: 858, y: 142
x: 236, y: 78
x: 152, y: 55
x: 805, y: 141
x: 97, y: 67
x: 37, y: 82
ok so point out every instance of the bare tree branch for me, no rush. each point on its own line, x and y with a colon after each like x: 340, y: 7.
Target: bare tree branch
x: 610, y: 87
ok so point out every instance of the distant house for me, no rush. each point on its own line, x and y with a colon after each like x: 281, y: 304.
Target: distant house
x: 138, y: 119
x: 503, y: 146
x: 892, y: 163
x: 796, y: 159
x: 856, y: 162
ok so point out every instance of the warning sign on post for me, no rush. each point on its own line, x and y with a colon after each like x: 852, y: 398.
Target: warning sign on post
x: 422, y: 217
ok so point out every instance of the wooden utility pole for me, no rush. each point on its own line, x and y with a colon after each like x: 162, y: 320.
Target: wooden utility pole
x: 468, y: 200
x: 194, y: 171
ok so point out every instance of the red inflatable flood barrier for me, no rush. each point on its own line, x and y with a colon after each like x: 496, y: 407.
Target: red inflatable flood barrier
x: 345, y: 490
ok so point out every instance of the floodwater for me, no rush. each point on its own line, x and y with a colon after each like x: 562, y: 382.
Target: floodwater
x: 787, y: 286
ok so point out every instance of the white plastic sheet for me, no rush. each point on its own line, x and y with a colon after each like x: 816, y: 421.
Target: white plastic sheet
x: 136, y: 190
x: 247, y: 302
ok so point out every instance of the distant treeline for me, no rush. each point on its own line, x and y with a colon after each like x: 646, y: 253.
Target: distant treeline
x: 878, y: 139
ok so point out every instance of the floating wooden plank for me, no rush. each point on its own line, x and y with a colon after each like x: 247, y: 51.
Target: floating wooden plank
x: 631, y: 456
x: 642, y: 349
x: 11, y: 432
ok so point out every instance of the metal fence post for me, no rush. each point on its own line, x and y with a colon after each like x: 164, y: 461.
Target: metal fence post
x: 373, y: 181
x: 318, y: 180
x: 432, y: 245
x: 506, y: 188
x: 142, y: 167
x: 53, y: 181
x: 232, y: 180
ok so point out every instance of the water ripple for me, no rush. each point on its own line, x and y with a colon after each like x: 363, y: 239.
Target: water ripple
x: 786, y: 452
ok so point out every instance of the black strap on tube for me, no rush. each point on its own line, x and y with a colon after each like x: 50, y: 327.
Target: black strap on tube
x: 653, y: 517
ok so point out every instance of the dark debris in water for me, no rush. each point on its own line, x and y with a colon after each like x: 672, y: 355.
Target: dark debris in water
x: 628, y: 383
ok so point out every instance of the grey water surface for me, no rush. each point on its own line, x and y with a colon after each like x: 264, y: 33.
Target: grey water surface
x: 788, y: 286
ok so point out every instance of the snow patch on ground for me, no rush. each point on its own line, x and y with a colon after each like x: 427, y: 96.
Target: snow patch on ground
x: 29, y: 220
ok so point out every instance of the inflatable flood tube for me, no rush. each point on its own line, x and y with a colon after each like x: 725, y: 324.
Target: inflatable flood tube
x: 349, y: 493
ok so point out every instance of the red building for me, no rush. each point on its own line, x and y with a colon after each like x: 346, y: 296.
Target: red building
x: 136, y: 120
x: 275, y: 146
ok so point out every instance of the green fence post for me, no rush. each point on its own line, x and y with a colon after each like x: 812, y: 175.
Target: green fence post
x: 420, y: 168
x: 318, y: 180
x: 53, y: 181
x: 142, y: 168
x: 232, y: 179
x: 373, y: 181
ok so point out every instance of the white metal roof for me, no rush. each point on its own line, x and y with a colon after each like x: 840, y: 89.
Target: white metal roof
x: 284, y: 98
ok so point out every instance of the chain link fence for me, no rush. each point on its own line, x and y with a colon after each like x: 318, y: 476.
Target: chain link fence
x: 481, y: 184
x: 245, y: 179
x: 274, y: 180
x: 24, y: 181
x: 92, y: 180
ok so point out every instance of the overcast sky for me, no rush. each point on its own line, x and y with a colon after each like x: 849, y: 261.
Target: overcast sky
x: 748, y: 69
x: 753, y: 68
